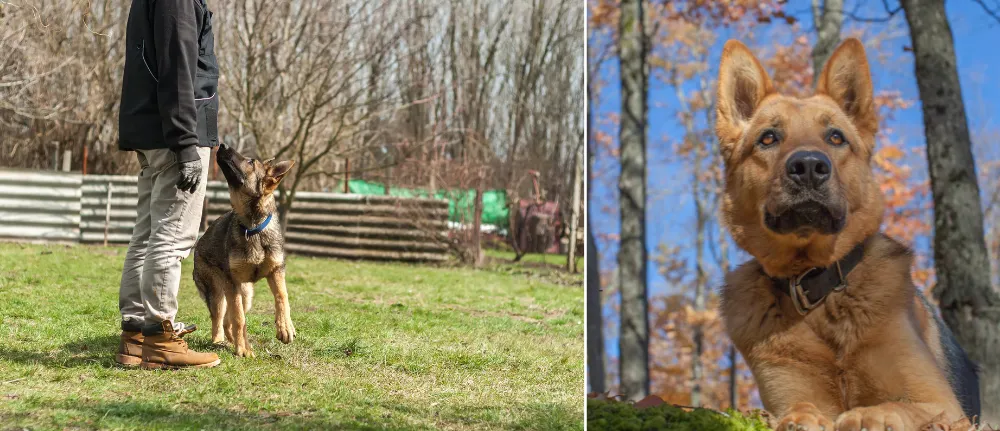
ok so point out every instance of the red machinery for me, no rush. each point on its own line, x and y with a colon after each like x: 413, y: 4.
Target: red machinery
x: 538, y: 224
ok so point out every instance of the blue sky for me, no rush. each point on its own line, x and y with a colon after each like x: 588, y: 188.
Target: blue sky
x: 669, y: 208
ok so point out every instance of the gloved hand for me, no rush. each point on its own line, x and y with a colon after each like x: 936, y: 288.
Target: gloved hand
x: 190, y: 176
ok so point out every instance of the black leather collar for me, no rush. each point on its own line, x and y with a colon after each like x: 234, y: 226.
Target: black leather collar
x: 810, y: 289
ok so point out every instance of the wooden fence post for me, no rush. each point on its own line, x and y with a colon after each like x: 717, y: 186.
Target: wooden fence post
x: 347, y: 174
x: 388, y: 179
x: 55, y: 155
x: 67, y: 158
x: 107, y: 216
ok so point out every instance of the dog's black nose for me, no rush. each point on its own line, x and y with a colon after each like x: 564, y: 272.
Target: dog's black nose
x: 808, y: 168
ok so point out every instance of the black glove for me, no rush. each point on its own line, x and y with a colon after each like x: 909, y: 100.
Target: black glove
x: 190, y: 176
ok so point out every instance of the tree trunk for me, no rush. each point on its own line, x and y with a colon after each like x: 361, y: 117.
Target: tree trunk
x: 734, y: 390
x: 963, y: 285
x: 388, y: 179
x: 477, y: 223
x: 634, y: 338
x: 595, y: 318
x: 701, y: 279
x: 595, y: 313
x: 827, y: 17
x: 574, y: 219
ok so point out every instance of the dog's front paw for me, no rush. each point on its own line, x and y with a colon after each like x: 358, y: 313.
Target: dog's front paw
x: 805, y: 417
x: 877, y: 418
x: 286, y: 330
x: 244, y: 351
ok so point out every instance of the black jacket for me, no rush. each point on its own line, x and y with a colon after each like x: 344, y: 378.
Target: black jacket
x: 171, y: 77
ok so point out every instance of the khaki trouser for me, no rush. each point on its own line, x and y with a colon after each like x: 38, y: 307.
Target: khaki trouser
x: 165, y: 231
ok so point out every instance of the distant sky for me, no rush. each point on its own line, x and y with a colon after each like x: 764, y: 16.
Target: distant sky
x: 670, y: 210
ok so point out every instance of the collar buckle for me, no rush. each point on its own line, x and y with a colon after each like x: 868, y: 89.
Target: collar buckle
x: 842, y: 282
x: 799, y: 298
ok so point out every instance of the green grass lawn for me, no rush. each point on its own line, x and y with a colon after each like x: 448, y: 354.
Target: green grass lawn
x: 378, y: 346
x: 553, y: 260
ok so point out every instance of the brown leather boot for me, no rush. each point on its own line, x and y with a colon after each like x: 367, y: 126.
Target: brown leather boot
x: 167, y: 350
x: 129, y: 349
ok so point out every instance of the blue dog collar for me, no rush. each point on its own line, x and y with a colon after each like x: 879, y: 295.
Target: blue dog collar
x: 251, y: 232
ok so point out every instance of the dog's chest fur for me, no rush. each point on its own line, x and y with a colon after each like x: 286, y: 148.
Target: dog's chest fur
x: 259, y: 257
x: 837, y: 339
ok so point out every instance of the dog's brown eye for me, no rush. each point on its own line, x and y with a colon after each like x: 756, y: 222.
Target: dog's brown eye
x: 836, y: 138
x: 768, y: 139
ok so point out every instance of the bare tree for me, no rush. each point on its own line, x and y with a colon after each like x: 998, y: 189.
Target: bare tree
x: 595, y: 312
x: 828, y: 18
x: 961, y: 263
x: 576, y: 207
x: 632, y: 253
x: 302, y: 78
x: 60, y: 67
x: 595, y: 327
x: 413, y: 94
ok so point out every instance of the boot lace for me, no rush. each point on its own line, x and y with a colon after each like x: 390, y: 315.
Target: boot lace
x: 179, y: 340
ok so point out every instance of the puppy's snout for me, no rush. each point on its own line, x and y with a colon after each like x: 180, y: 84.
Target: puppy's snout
x: 809, y: 169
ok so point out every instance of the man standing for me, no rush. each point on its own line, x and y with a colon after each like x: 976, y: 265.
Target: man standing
x: 168, y: 116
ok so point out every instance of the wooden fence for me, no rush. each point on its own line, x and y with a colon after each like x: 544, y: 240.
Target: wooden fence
x: 97, y: 208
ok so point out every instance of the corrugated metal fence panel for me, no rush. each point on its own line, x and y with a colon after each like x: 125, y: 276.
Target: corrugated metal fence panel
x: 359, y: 226
x: 38, y: 205
x: 321, y: 224
x: 57, y: 206
x: 94, y: 208
x: 370, y: 227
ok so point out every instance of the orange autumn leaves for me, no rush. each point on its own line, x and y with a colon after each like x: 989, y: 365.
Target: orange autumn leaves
x: 671, y: 352
x: 604, y: 13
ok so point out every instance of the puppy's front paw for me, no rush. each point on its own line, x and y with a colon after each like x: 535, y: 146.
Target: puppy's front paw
x: 244, y: 351
x: 286, y: 330
x: 805, y: 417
x: 877, y: 418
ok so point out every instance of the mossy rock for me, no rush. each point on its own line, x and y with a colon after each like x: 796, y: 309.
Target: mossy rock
x: 607, y: 415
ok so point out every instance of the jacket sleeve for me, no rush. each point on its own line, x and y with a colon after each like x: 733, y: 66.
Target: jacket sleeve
x: 175, y: 34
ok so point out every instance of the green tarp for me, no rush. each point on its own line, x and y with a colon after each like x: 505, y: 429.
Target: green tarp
x: 460, y: 202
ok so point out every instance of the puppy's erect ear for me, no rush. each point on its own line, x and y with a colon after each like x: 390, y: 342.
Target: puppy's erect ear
x: 847, y: 80
x: 276, y: 172
x: 743, y: 84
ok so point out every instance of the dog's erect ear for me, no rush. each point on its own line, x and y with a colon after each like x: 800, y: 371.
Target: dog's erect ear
x: 743, y: 84
x: 847, y: 80
x: 276, y: 172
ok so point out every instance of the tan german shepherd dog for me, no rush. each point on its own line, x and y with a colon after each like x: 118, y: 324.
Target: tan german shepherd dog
x: 241, y: 247
x: 826, y: 313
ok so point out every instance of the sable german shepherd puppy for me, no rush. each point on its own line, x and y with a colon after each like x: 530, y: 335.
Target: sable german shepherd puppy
x: 241, y: 247
x: 826, y: 313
